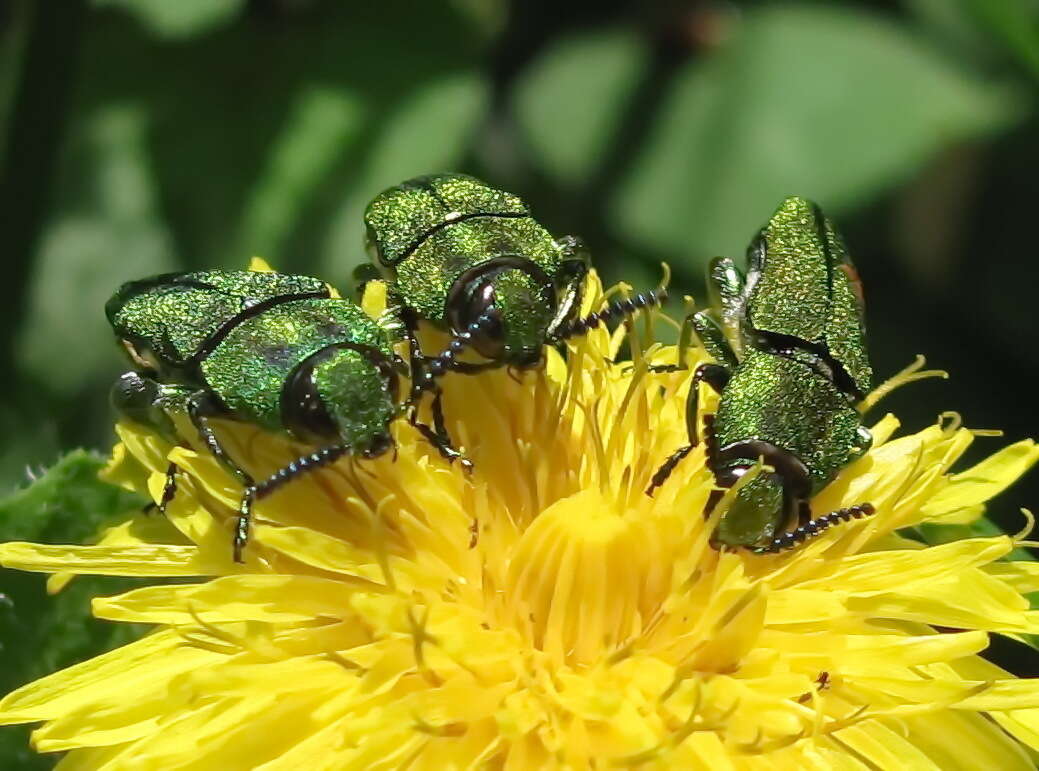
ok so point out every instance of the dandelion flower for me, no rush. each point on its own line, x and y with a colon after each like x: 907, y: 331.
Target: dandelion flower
x: 543, y: 612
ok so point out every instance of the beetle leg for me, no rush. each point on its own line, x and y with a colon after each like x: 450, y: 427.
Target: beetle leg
x: 473, y: 368
x: 712, y: 338
x: 708, y: 334
x: 716, y: 376
x: 143, y: 400
x: 415, y: 355
x: 863, y: 444
x: 437, y: 408
x: 726, y: 290
x: 256, y: 492
x: 439, y: 440
x: 440, y: 428
x: 615, y: 310
x: 711, y: 453
x: 666, y: 468
x: 572, y: 273
x: 362, y: 274
x: 200, y: 409
x: 169, y: 488
x: 423, y: 378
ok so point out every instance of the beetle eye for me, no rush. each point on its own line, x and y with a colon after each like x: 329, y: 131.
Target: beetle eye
x: 371, y: 246
x: 474, y: 313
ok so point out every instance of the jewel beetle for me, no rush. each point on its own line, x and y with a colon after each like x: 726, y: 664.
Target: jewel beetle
x: 791, y: 366
x: 470, y: 259
x: 279, y: 351
x: 459, y: 252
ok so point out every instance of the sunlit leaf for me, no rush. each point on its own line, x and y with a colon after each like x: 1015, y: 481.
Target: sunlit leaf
x: 111, y: 236
x: 179, y: 18
x: 569, y: 103
x: 832, y: 104
x: 320, y: 124
x: 427, y: 133
x: 1015, y: 23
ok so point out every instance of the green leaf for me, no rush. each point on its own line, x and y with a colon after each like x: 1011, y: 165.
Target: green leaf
x: 257, y: 130
x: 179, y: 18
x: 831, y: 104
x: 68, y: 502
x: 319, y: 125
x: 40, y: 634
x: 570, y: 101
x: 89, y: 249
x: 13, y: 35
x: 427, y: 133
x: 1015, y: 23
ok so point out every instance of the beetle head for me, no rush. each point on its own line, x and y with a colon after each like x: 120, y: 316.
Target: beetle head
x: 756, y: 513
x: 506, y: 305
x: 345, y: 394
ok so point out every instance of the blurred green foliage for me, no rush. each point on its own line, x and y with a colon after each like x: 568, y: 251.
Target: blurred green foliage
x: 142, y: 136
x: 38, y: 634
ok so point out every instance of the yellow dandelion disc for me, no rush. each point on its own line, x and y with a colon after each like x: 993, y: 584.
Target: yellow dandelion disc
x: 544, y: 612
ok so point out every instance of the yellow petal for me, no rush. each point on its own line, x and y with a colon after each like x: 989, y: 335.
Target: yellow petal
x: 865, y: 573
x: 259, y: 265
x: 374, y: 299
x: 268, y: 598
x: 543, y: 611
x: 139, y: 560
x: 985, y: 480
x: 140, y: 668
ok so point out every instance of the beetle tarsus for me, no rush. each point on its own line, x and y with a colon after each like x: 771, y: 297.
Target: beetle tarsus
x: 666, y: 468
x: 169, y: 488
x: 241, y: 531
x: 664, y: 369
x: 440, y: 441
x: 715, y: 376
x: 713, y: 499
x: 302, y: 465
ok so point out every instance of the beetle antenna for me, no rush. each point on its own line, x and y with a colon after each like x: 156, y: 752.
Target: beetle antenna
x: 439, y: 365
x: 615, y: 310
x: 812, y: 528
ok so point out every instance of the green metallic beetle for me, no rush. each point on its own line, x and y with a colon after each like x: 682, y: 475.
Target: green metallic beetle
x: 470, y: 259
x: 458, y: 252
x: 789, y: 342
x: 275, y: 350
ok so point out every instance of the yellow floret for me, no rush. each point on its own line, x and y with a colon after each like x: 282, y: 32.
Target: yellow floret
x: 544, y: 612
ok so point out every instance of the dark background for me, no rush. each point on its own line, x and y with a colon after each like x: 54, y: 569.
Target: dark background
x: 142, y: 136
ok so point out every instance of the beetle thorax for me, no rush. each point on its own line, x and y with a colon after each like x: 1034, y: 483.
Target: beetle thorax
x: 756, y: 513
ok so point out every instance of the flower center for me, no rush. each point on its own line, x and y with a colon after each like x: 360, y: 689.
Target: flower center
x: 582, y: 579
